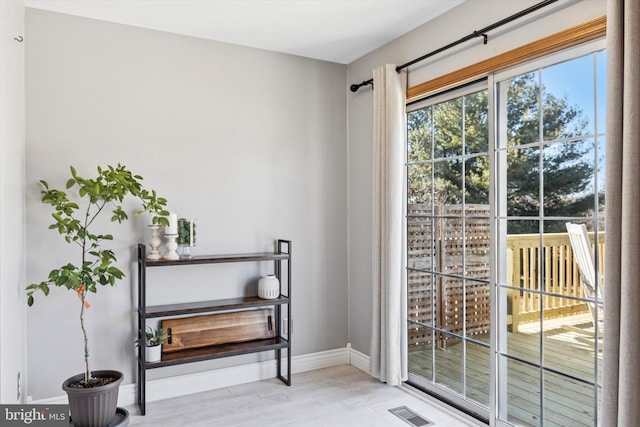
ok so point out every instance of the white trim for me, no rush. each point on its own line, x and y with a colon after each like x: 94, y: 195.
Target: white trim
x: 164, y: 388
x: 358, y: 360
x: 323, y: 359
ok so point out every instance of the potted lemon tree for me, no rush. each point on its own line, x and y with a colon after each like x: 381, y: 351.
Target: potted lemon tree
x: 93, y: 395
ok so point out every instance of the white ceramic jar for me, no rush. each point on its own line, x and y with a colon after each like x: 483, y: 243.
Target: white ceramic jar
x: 268, y: 287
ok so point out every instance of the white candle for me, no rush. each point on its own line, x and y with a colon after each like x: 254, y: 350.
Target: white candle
x: 191, y: 240
x: 172, y: 228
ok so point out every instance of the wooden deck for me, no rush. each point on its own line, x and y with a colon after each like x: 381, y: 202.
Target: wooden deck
x: 569, y: 347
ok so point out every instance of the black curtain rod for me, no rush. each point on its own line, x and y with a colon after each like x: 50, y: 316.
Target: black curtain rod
x: 479, y: 33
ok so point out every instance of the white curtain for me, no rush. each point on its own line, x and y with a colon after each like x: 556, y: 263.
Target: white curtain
x: 621, y: 355
x: 389, y: 327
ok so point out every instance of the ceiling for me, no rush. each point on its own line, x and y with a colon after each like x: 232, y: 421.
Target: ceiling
x: 332, y: 30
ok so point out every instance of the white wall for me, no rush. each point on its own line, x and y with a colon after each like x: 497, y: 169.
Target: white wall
x: 455, y: 24
x: 12, y: 246
x: 251, y: 143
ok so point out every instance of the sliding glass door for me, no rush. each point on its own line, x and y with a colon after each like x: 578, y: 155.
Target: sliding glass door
x: 550, y: 172
x: 501, y: 320
x: 448, y: 244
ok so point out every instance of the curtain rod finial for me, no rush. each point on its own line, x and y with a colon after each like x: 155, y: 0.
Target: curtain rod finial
x: 355, y: 87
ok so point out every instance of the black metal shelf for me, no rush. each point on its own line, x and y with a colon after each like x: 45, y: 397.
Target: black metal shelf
x: 277, y: 344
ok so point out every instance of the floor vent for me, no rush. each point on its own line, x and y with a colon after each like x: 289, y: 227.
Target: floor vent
x: 410, y: 417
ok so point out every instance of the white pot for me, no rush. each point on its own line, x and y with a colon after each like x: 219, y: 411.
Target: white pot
x: 268, y: 287
x: 153, y: 354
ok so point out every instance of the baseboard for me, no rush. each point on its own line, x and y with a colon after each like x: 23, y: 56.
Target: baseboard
x: 358, y: 360
x: 164, y: 388
x: 319, y: 360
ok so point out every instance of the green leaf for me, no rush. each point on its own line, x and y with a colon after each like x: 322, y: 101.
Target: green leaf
x: 116, y: 272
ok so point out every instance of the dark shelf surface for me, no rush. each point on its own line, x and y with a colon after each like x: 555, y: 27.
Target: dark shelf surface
x: 213, y: 259
x: 211, y: 306
x: 218, y: 351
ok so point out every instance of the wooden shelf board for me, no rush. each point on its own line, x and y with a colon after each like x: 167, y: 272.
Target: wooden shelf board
x: 213, y: 259
x: 211, y: 306
x: 219, y: 351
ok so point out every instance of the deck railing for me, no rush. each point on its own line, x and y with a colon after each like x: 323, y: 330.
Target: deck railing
x: 545, y: 274
x: 437, y: 243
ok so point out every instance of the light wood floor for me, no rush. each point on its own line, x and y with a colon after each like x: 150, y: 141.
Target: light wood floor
x: 567, y: 402
x: 331, y: 397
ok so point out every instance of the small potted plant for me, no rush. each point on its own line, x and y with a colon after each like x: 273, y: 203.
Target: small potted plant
x: 93, y: 395
x: 154, y: 338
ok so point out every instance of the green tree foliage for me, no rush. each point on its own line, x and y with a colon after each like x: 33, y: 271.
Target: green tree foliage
x: 95, y: 265
x: 436, y: 152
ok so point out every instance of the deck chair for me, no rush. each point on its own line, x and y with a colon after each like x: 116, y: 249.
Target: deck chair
x: 583, y: 254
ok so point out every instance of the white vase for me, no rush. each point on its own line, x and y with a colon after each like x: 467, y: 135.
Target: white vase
x: 153, y: 354
x: 268, y: 287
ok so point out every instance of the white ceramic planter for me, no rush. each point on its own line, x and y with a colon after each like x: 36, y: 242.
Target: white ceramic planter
x: 153, y: 354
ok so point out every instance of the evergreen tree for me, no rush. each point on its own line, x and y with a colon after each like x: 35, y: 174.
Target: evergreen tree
x: 436, y: 133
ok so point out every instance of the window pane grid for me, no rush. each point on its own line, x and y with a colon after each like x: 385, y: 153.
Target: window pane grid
x: 548, y: 162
